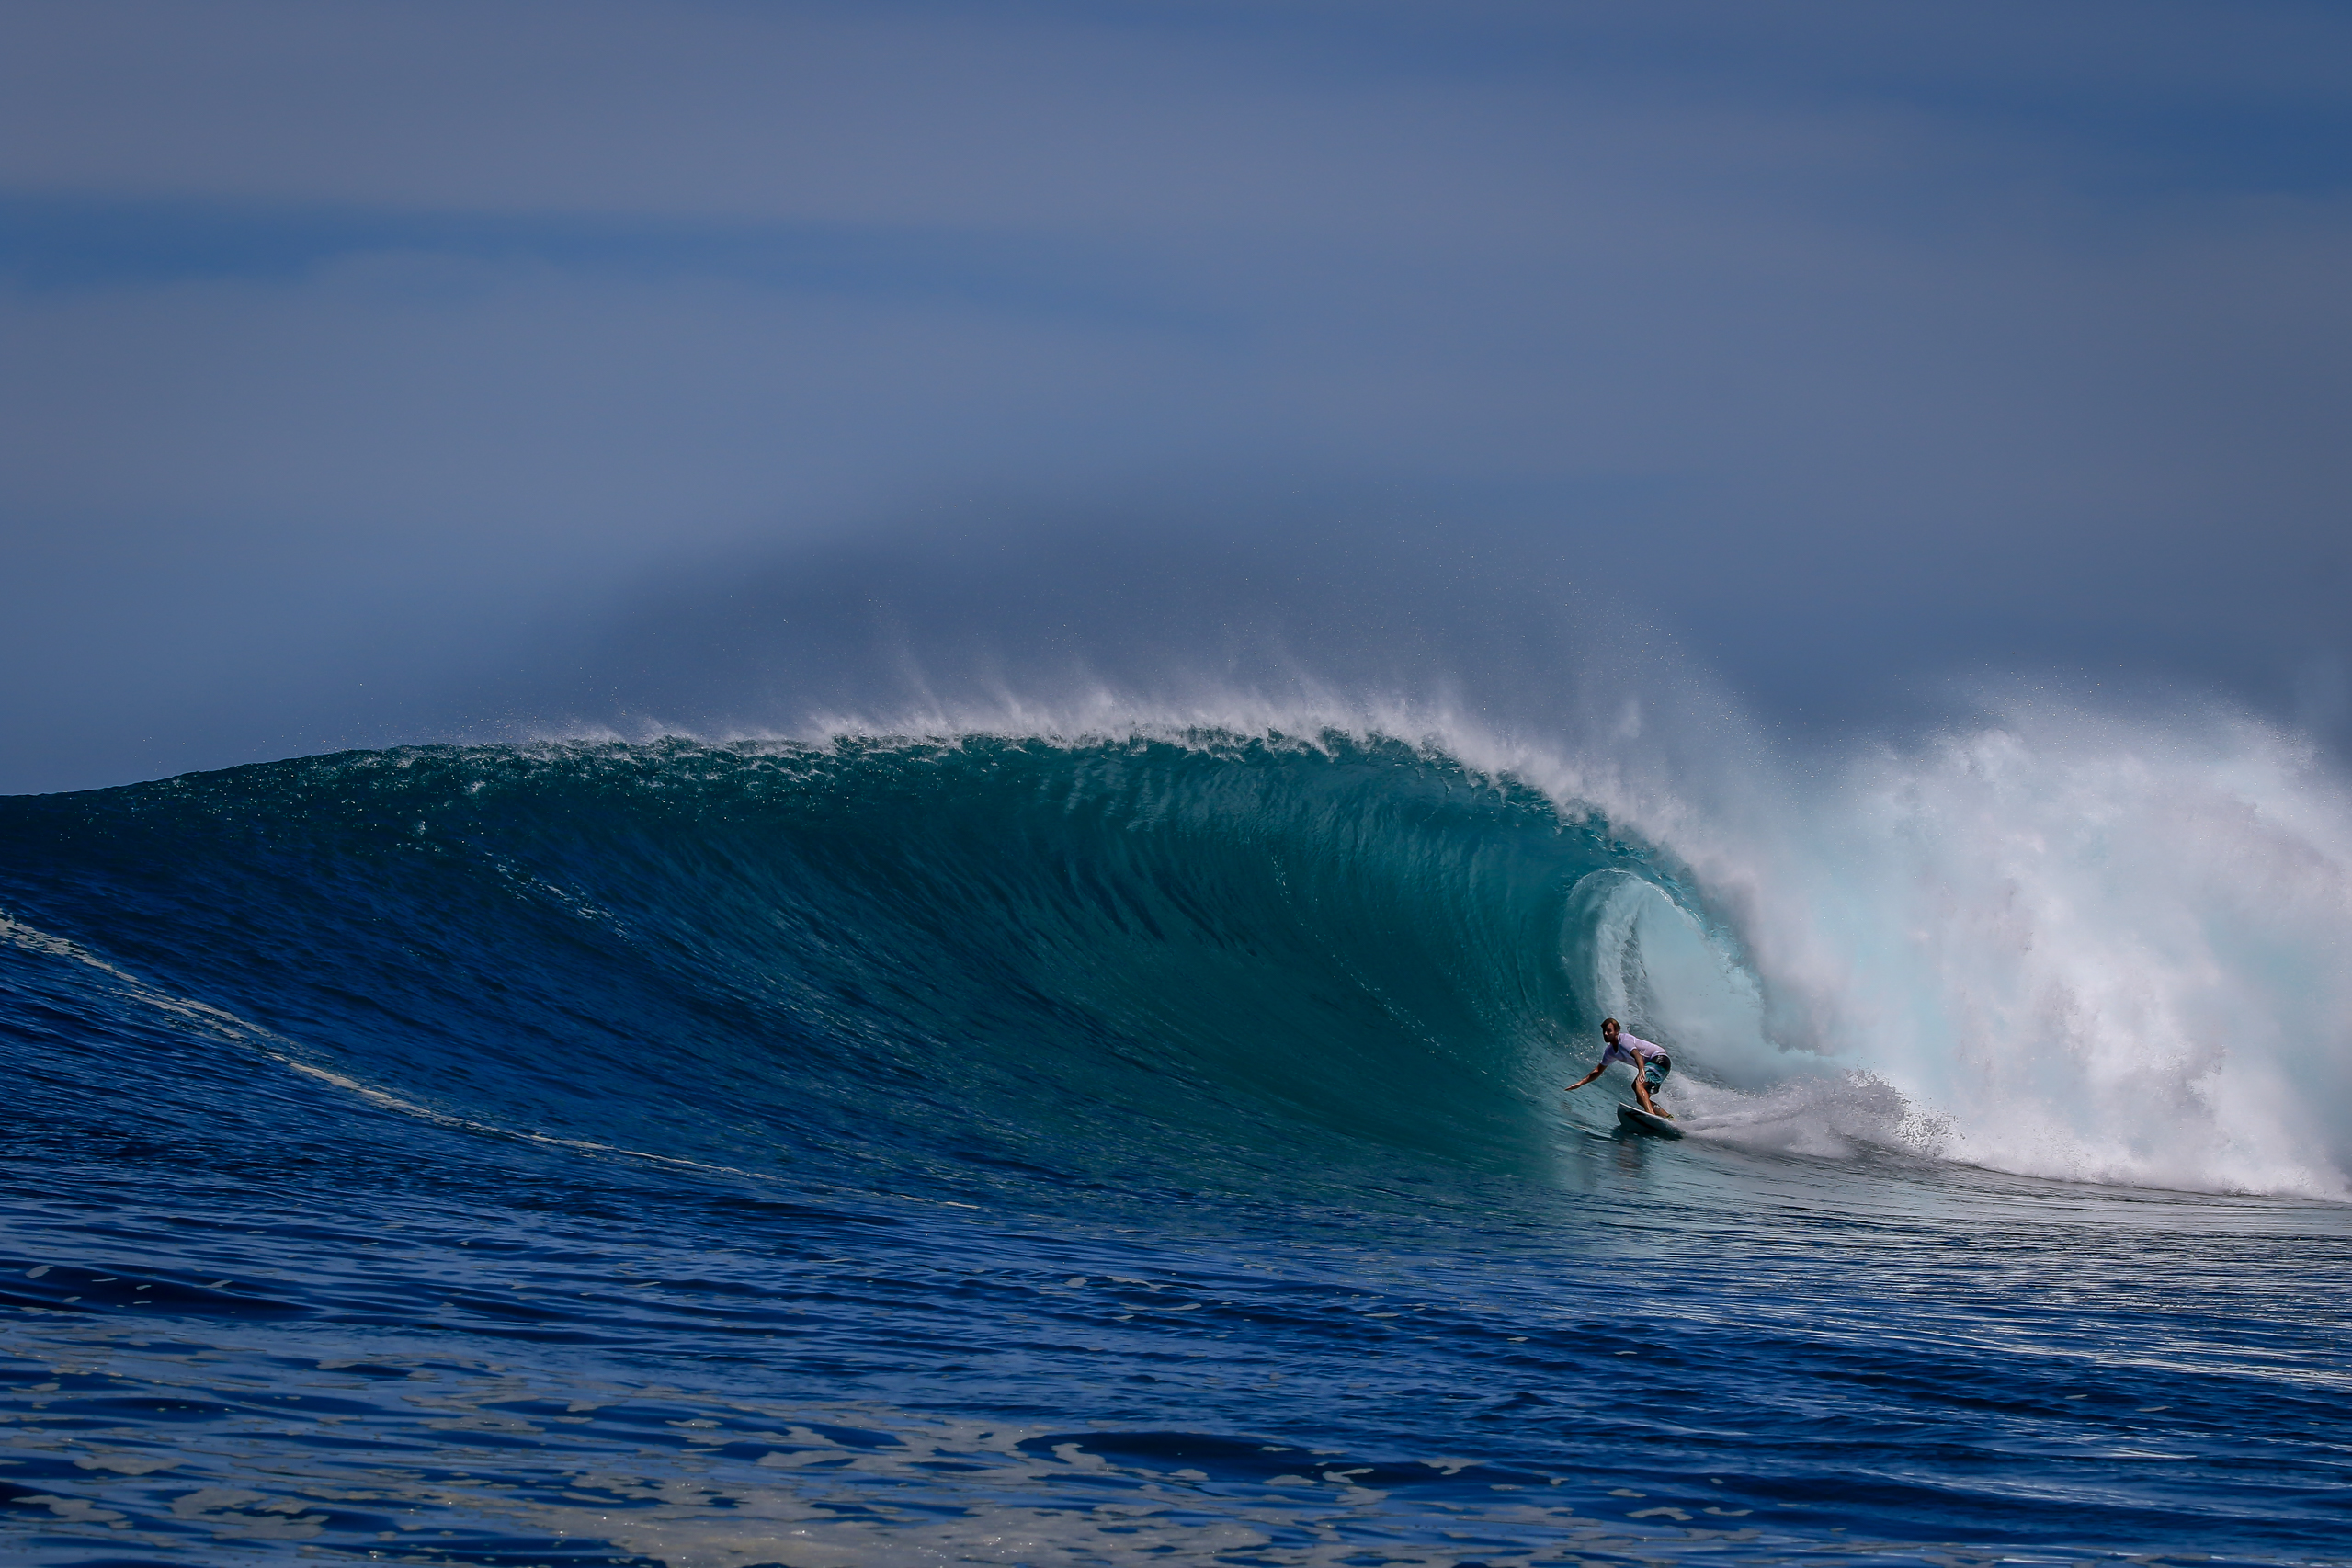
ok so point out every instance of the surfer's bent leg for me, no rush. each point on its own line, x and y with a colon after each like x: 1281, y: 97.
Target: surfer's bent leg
x: 1652, y: 1079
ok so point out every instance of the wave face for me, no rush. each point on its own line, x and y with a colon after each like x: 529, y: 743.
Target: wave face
x: 2089, y: 955
x: 1060, y: 957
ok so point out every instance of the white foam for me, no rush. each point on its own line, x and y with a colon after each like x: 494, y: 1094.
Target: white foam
x: 2102, y: 951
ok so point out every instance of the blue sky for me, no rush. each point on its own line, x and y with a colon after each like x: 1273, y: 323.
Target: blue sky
x: 372, y: 372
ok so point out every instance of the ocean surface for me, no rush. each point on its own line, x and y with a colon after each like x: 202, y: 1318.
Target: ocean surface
x: 996, y: 1148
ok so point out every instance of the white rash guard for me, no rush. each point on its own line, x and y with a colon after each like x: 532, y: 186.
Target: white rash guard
x: 1631, y: 1051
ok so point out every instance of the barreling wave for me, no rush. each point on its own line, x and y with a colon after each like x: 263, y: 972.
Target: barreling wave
x: 1058, y: 957
x: 1194, y: 956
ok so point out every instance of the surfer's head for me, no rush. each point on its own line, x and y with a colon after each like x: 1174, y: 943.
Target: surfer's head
x: 1609, y: 1029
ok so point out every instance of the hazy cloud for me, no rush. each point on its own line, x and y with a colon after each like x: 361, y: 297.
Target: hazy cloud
x: 361, y: 365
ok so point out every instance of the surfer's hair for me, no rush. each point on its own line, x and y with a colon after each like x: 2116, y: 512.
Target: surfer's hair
x: 1605, y: 1022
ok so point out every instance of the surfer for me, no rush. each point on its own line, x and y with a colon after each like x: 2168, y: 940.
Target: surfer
x: 1650, y: 1064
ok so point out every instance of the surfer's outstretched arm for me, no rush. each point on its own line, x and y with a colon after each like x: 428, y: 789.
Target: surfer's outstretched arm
x: 1587, y: 1077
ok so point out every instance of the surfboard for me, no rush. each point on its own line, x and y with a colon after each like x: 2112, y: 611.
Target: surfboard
x: 1641, y: 1120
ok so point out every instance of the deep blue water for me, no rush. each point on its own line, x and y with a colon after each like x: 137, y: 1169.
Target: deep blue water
x: 1006, y: 1152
